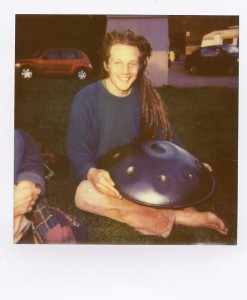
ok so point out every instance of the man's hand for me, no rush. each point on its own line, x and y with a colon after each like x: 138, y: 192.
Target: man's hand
x: 102, y: 181
x: 208, y: 167
x: 25, y: 195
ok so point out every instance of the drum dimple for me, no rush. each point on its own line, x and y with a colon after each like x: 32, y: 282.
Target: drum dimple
x: 162, y: 178
x: 130, y: 170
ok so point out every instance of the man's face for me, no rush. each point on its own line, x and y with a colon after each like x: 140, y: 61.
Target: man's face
x: 122, y: 68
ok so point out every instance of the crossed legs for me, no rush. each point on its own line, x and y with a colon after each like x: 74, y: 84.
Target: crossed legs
x: 147, y: 220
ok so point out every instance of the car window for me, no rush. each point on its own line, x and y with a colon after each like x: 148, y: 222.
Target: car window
x: 37, y: 54
x: 51, y: 55
x: 68, y: 54
x: 210, y: 52
x: 231, y: 48
x: 78, y: 54
x: 205, y: 52
x: 218, y: 51
x: 214, y: 52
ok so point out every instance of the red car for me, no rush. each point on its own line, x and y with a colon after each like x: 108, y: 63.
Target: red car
x: 55, y: 62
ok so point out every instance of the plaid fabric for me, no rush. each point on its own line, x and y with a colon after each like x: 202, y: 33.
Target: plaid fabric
x: 51, y: 225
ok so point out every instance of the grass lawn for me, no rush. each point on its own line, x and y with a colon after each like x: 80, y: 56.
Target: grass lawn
x: 205, y: 120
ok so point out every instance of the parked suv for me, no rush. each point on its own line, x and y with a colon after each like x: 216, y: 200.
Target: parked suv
x: 58, y: 62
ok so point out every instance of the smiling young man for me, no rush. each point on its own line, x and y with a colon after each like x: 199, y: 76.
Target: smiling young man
x: 115, y: 111
x: 122, y: 67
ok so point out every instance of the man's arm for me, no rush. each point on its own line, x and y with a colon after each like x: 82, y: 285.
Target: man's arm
x: 81, y: 138
x: 28, y: 179
x: 31, y: 166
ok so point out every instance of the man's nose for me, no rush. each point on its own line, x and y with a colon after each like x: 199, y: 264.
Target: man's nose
x: 125, y: 68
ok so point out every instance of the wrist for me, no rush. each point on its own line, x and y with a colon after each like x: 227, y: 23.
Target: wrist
x: 90, y: 173
x: 26, y: 184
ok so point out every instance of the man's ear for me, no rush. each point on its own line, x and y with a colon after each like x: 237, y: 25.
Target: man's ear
x: 105, y: 66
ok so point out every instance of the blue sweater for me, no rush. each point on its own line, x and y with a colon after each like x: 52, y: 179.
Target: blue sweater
x: 100, y: 122
x: 28, y: 161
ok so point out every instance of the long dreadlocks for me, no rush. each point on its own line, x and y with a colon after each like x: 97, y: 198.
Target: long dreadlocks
x: 154, y: 113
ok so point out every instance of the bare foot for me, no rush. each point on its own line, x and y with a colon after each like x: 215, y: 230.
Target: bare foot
x: 193, y: 218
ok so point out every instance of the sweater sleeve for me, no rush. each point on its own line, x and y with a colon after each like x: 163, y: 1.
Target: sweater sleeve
x: 31, y: 166
x: 81, y: 138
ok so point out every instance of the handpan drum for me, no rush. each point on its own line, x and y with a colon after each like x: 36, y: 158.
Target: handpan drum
x: 159, y: 173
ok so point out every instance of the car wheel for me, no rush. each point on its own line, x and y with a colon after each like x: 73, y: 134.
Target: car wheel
x: 26, y: 73
x: 193, y: 70
x: 81, y: 74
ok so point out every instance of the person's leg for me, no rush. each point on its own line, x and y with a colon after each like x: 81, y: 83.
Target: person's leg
x: 146, y: 220
x: 193, y: 218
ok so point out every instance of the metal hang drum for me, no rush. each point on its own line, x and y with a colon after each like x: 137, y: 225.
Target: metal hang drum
x: 159, y: 173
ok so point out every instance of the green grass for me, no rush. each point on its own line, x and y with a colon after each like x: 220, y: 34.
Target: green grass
x: 205, y: 120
